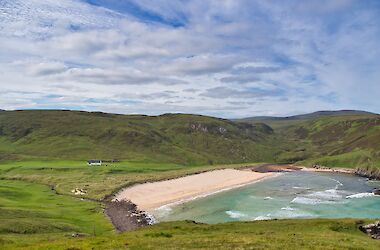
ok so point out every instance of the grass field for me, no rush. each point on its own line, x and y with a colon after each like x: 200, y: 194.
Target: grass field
x: 28, y: 209
x: 281, y: 234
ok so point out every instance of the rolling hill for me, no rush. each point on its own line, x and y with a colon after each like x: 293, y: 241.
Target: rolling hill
x: 177, y: 138
x: 317, y: 114
x: 344, y: 138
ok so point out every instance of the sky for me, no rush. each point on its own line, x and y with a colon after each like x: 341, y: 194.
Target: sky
x: 224, y: 58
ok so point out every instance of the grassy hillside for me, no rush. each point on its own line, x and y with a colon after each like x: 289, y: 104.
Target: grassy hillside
x: 28, y: 209
x: 182, y: 139
x: 330, y: 138
x: 340, y: 141
x: 333, y: 138
x: 280, y: 122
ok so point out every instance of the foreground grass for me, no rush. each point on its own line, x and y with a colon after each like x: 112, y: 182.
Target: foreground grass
x: 281, y: 234
x: 27, y: 209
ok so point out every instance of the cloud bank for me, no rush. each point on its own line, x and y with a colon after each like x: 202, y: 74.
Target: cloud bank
x: 219, y: 57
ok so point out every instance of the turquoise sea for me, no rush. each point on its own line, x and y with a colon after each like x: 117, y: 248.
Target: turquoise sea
x: 289, y: 195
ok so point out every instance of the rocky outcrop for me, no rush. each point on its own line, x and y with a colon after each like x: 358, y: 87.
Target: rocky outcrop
x: 372, y: 229
x: 125, y: 215
x: 376, y: 191
x: 371, y: 173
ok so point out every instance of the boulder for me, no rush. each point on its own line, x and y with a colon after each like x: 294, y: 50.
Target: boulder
x: 376, y: 191
x: 372, y: 229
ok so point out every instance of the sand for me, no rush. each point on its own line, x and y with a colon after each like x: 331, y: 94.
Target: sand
x: 150, y: 196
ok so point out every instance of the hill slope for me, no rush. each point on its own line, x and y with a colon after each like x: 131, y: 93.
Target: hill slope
x: 313, y: 115
x: 186, y: 139
x: 332, y: 138
x: 346, y: 138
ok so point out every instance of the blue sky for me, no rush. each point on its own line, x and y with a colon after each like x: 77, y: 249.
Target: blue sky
x: 226, y: 58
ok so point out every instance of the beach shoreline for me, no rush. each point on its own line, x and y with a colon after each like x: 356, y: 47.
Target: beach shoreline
x: 150, y: 196
x: 212, y: 193
x: 146, y: 198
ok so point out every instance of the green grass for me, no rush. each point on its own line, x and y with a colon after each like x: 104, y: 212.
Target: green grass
x: 27, y: 208
x: 281, y: 234
x: 360, y: 158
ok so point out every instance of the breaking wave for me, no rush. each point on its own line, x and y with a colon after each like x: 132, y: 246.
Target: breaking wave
x: 360, y: 195
x: 288, y: 208
x: 235, y: 214
x: 312, y: 201
x: 263, y: 217
x: 329, y: 194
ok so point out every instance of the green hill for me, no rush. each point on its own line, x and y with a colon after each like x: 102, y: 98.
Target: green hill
x: 177, y: 138
x: 334, y: 138
x: 313, y: 115
x: 345, y: 138
x: 352, y: 141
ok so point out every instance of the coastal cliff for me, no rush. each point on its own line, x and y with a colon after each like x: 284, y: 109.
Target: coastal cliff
x: 371, y: 173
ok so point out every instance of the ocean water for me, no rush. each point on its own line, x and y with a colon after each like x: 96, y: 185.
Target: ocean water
x: 289, y: 195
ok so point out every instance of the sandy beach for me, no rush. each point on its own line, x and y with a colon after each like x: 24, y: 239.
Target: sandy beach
x: 150, y: 196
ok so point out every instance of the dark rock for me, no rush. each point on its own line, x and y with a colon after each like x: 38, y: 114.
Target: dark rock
x: 376, y: 191
x: 125, y: 215
x: 371, y: 173
x: 372, y: 229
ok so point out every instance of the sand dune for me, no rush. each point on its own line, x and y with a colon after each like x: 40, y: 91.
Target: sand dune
x: 149, y: 196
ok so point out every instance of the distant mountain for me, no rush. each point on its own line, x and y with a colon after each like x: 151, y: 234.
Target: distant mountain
x: 345, y: 138
x: 308, y: 116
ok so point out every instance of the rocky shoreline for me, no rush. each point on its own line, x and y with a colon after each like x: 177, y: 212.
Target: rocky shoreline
x: 371, y: 173
x: 125, y: 215
x: 372, y: 229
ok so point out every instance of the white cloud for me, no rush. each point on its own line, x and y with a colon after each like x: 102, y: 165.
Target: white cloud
x: 230, y: 58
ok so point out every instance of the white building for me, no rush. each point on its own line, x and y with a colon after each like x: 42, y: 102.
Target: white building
x: 94, y: 162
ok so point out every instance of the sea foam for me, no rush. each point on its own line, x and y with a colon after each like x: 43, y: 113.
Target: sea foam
x: 235, y: 214
x: 360, y: 195
x: 310, y: 201
x: 288, y: 208
x: 263, y: 217
x: 329, y: 194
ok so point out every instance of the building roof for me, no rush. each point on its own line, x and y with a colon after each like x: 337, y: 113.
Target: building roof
x: 94, y: 161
